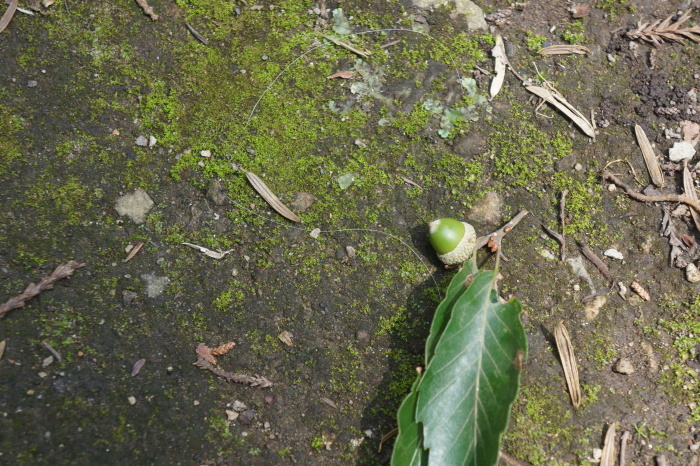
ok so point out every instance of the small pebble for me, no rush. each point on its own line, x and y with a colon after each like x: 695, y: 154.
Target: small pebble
x: 623, y: 366
x: 680, y: 151
x: 578, y: 167
x: 692, y: 273
x: 132, y: 400
x: 152, y: 141
x: 47, y: 362
x: 205, y: 153
x: 231, y: 415
x: 141, y: 141
x: 614, y: 253
x: 32, y: 83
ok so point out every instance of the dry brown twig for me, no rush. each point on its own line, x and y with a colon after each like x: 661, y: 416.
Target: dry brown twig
x: 33, y: 289
x: 661, y: 31
x: 252, y: 380
x: 361, y: 53
x: 644, y: 198
x: 148, y: 10
x: 600, y: 265
x: 493, y: 240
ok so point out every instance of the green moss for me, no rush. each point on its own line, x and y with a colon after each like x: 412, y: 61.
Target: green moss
x: 573, y: 33
x: 10, y: 148
x: 534, y: 41
x: 583, y: 202
x: 613, y: 7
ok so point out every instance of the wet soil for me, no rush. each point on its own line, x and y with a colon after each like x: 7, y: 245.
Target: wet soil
x: 80, y: 81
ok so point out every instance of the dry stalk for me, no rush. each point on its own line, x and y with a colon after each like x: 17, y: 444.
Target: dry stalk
x: 600, y: 265
x: 568, y: 362
x: 62, y: 271
x: 252, y: 380
x: 197, y: 35
x: 499, y: 64
x: 660, y: 31
x: 493, y: 240
x: 644, y: 198
x: 7, y: 16
x: 361, y: 53
x: 689, y: 191
x: 148, y: 10
x: 623, y: 447
x: 550, y: 95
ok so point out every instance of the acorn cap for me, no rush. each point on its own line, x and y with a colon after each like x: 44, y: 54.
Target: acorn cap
x: 453, y: 240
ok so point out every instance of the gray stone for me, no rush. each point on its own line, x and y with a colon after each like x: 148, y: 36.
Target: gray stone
x: 216, y: 193
x: 473, y: 14
x: 128, y: 297
x: 623, y: 366
x: 142, y: 141
x: 487, y: 209
x: 155, y: 286
x: 681, y: 150
x: 692, y: 273
x: 135, y: 205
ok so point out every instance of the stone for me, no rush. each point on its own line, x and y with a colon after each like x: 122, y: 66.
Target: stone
x: 128, y: 297
x: 488, y: 209
x: 474, y: 15
x: 135, y: 205
x: 141, y: 141
x: 623, y: 366
x: 680, y: 151
x: 594, y: 306
x: 216, y: 193
x: 155, y: 286
x: 692, y: 274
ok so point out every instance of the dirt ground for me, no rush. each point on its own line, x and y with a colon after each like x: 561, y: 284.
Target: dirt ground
x: 99, y: 100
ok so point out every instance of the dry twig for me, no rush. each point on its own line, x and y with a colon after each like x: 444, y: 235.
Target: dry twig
x: 608, y: 458
x: 623, y: 447
x: 46, y: 345
x: 62, y: 271
x: 568, y: 362
x: 252, y: 380
x: 600, y: 265
x: 197, y: 35
x: 506, y: 458
x: 493, y: 240
x: 644, y: 198
x: 660, y: 31
x: 148, y: 10
x: 689, y: 190
x: 348, y: 47
x: 562, y: 218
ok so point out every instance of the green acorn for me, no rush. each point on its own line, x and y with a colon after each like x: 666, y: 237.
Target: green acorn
x: 452, y: 240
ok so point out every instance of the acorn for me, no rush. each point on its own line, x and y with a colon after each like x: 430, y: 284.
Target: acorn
x: 453, y: 240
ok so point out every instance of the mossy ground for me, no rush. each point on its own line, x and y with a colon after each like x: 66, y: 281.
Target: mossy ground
x: 107, y: 74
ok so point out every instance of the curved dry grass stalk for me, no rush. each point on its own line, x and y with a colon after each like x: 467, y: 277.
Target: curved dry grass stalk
x: 564, y: 50
x: 660, y: 31
x: 568, y: 362
x: 650, y: 159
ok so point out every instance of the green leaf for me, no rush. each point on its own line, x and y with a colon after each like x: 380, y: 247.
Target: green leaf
x: 471, y: 381
x: 408, y: 447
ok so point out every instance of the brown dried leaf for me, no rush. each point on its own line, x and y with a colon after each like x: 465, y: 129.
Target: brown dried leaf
x: 137, y: 367
x: 608, y: 457
x: 329, y: 402
x: 269, y: 196
x: 286, y: 338
x: 205, y: 353
x: 689, y: 190
x: 568, y: 362
x: 133, y: 251
x: 342, y: 74
x: 223, y: 349
x: 561, y: 104
x: 650, y: 159
x: 564, y: 50
x: 9, y: 13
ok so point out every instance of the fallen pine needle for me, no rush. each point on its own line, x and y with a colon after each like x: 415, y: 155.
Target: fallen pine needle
x: 197, y: 35
x: 33, y: 289
x: 568, y: 362
x: 348, y: 47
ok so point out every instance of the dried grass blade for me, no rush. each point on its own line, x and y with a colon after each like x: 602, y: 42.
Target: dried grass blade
x: 649, y: 157
x: 608, y: 458
x: 197, y: 35
x: 564, y: 50
x: 499, y: 64
x: 568, y: 362
x: 269, y: 196
x: 565, y: 107
x: 9, y: 13
x: 689, y: 190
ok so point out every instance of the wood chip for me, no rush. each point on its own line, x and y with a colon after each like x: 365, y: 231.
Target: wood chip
x: 342, y: 74
x: 568, y: 362
x: 564, y: 50
x: 268, y: 195
x: 499, y: 66
x: 137, y: 367
x: 286, y: 338
x: 639, y: 289
x: 560, y: 103
x: 657, y: 177
x: 134, y: 251
x: 608, y: 458
x: 9, y: 13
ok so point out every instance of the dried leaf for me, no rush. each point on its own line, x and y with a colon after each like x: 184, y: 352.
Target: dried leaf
x: 564, y: 50
x: 9, y: 13
x: 689, y: 191
x: 349, y: 47
x: 205, y: 353
x: 690, y: 131
x: 608, y: 457
x: 329, y: 402
x: 659, y: 31
x: 208, y: 252
x: 134, y: 251
x: 650, y: 159
x: 223, y: 349
x: 269, y: 196
x: 411, y: 182
x: 198, y: 36
x: 286, y: 338
x: 561, y: 104
x: 2, y: 348
x: 137, y: 367
x: 342, y: 74
x: 302, y: 201
x: 637, y: 288
x: 568, y: 362
x: 252, y: 380
x: 499, y: 65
